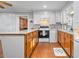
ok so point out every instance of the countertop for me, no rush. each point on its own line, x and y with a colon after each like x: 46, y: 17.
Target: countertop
x: 31, y: 30
x: 17, y: 33
x: 65, y: 31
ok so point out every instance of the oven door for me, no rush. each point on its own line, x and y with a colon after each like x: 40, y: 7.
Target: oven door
x: 43, y: 33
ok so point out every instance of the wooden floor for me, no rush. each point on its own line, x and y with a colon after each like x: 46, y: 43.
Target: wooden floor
x: 45, y: 50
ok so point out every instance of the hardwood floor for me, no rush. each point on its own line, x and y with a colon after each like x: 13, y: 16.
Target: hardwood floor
x: 45, y: 50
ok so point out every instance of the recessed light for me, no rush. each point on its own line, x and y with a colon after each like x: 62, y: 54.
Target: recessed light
x: 44, y: 6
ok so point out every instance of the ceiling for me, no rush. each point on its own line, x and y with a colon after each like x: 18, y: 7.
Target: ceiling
x: 28, y: 6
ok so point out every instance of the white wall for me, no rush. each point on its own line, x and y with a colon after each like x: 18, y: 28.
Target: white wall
x: 12, y: 45
x: 58, y: 16
x: 76, y: 29
x: 37, y: 15
x: 53, y: 17
x: 9, y: 22
x: 29, y: 16
x: 65, y: 13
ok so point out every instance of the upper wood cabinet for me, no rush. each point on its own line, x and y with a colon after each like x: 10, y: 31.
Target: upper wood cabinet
x: 66, y: 41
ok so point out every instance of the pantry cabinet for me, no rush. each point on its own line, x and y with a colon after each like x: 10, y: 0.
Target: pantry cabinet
x: 31, y: 40
x: 66, y: 41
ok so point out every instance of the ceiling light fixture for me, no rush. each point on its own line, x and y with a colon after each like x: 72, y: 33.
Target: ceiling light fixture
x: 4, y: 4
x: 72, y: 12
x: 44, y: 6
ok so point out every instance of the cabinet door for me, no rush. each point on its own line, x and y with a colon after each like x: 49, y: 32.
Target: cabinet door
x: 25, y: 46
x: 67, y: 43
x: 29, y: 46
x: 62, y: 39
x: 71, y: 45
x: 35, y: 38
x: 59, y: 36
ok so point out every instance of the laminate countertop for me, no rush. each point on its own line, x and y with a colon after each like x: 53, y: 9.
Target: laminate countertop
x: 17, y: 33
x: 66, y: 31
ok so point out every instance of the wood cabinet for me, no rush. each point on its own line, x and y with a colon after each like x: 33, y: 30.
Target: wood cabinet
x: 66, y: 41
x: 31, y: 40
x: 61, y: 37
x: 59, y: 34
x: 29, y: 44
x: 35, y: 38
x: 72, y: 45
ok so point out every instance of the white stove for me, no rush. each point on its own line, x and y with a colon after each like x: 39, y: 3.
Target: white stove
x: 44, y: 35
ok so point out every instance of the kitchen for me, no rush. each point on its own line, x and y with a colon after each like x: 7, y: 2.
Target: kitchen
x: 39, y: 29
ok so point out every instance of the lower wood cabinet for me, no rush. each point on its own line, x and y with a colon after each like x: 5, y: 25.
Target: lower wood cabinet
x: 35, y: 38
x: 72, y: 45
x: 31, y: 40
x: 67, y: 44
x: 62, y: 38
x: 66, y: 41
